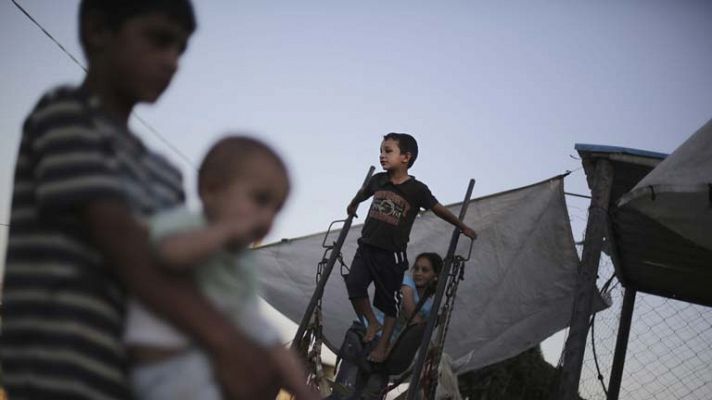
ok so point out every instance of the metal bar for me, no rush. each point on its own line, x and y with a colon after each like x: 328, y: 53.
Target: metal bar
x: 588, y: 270
x: 319, y: 291
x: 614, y: 384
x: 437, y: 299
x: 583, y: 196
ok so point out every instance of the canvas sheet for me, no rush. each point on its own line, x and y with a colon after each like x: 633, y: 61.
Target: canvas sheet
x: 518, y: 286
x: 678, y: 192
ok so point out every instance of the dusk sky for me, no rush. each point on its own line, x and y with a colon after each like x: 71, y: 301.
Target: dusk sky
x: 498, y: 91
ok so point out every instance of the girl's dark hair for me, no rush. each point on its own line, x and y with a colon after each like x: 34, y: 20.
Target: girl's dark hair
x: 437, y: 262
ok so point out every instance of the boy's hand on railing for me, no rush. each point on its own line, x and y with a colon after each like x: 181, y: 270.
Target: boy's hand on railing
x: 469, y: 232
x: 351, y: 209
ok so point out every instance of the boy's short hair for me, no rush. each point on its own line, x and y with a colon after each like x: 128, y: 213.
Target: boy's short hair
x: 226, y: 159
x: 406, y: 144
x: 116, y: 12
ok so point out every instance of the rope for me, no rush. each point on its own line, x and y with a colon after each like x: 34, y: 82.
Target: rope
x: 603, y: 290
x: 595, y: 354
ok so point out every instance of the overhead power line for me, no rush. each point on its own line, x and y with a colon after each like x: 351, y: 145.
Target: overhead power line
x: 165, y: 141
x: 49, y: 35
x: 143, y: 122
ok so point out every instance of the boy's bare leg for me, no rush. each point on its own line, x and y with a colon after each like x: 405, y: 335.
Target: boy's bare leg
x: 362, y: 306
x: 380, y: 352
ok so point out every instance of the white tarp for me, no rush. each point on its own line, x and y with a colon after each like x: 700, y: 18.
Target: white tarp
x: 677, y: 192
x: 518, y: 286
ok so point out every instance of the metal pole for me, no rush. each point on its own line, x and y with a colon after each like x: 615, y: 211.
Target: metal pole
x: 588, y: 270
x: 319, y: 291
x: 432, y: 318
x: 614, y: 385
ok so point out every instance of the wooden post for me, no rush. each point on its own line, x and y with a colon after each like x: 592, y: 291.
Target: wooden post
x: 614, y: 385
x: 588, y: 271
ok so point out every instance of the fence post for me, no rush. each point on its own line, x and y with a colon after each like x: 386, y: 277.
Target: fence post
x: 586, y: 285
x: 614, y: 385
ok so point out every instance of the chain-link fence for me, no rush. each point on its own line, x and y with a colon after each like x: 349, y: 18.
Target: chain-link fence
x: 669, y: 354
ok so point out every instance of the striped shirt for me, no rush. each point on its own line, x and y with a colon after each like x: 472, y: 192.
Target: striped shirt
x: 63, y: 310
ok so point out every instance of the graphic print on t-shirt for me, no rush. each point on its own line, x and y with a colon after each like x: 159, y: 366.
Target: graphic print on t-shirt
x: 388, y: 207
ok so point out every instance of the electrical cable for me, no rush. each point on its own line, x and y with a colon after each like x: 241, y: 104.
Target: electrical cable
x: 49, y: 35
x: 150, y: 128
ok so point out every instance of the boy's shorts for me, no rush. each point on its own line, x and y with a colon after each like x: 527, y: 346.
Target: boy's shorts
x: 383, y: 267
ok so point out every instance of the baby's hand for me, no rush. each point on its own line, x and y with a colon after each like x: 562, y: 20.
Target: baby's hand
x: 240, y: 232
x: 351, y: 209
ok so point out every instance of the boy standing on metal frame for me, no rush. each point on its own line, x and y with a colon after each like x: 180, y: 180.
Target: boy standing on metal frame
x: 381, y: 254
x: 83, y: 185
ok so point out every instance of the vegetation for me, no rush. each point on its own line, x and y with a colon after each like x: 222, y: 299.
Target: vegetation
x: 526, y: 376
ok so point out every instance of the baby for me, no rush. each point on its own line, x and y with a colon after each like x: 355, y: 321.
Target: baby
x: 242, y: 184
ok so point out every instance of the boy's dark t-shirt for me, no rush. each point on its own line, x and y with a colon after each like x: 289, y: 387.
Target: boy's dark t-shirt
x: 63, y: 308
x: 393, y: 211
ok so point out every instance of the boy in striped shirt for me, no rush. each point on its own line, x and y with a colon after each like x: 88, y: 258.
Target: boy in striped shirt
x: 83, y: 183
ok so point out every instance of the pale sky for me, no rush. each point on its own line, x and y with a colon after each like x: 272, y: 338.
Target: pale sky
x: 499, y: 91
